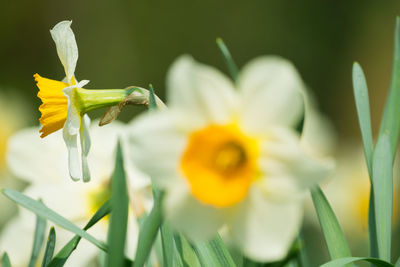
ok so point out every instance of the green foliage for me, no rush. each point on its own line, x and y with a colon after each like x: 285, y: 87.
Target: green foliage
x: 383, y: 193
x: 51, y: 243
x: 148, y: 231
x: 5, y: 260
x: 213, y: 253
x: 37, y: 240
x: 119, y: 214
x: 230, y: 63
x: 63, y: 255
x: 333, y: 233
x: 43, y: 211
x: 348, y: 260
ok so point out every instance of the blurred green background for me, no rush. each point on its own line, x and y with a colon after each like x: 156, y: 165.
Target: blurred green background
x: 123, y: 43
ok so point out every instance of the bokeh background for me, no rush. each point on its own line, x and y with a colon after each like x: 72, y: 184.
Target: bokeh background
x: 123, y: 43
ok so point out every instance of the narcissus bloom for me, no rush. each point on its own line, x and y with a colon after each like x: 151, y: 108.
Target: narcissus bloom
x: 66, y: 102
x: 230, y: 155
x: 76, y: 202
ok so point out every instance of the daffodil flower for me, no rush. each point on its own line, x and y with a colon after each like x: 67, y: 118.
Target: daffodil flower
x: 25, y: 154
x: 230, y: 155
x: 65, y: 103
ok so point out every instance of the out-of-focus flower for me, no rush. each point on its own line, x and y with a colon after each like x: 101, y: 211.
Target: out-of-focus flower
x: 13, y: 116
x: 66, y: 102
x: 76, y: 202
x: 227, y: 156
x: 348, y: 193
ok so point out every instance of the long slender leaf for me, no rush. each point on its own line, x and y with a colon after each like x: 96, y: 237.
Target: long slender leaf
x: 43, y: 211
x: 152, y: 98
x: 63, y: 255
x: 187, y: 254
x: 168, y: 245
x: 334, y: 237
x: 391, y: 120
x: 230, y: 63
x: 119, y: 214
x: 37, y: 240
x: 383, y: 194
x: 49, y: 252
x: 148, y: 231
x: 343, y: 261
x: 213, y: 253
x: 364, y: 117
x: 5, y: 260
x: 397, y: 263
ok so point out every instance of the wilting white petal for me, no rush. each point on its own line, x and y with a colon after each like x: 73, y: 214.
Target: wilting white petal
x: 200, y: 91
x: 67, y: 49
x: 271, y: 92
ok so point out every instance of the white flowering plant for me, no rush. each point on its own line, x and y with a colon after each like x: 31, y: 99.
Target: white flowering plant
x: 217, y: 177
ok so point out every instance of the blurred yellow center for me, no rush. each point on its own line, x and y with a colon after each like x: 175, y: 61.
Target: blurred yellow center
x: 55, y: 105
x: 97, y: 197
x: 220, y: 163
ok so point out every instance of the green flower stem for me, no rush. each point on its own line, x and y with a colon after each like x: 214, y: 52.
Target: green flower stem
x: 90, y: 99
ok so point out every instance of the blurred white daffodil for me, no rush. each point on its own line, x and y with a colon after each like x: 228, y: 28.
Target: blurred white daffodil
x: 230, y: 156
x: 348, y: 192
x: 66, y: 102
x: 76, y: 202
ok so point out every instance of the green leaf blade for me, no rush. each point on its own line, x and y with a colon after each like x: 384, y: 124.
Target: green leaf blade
x: 62, y: 256
x: 334, y: 237
x: 213, y: 253
x: 43, y: 211
x: 383, y: 194
x: 230, y: 63
x: 148, y: 231
x: 343, y: 261
x: 5, y: 260
x: 391, y: 120
x: 119, y: 214
x: 37, y: 240
x: 50, y: 246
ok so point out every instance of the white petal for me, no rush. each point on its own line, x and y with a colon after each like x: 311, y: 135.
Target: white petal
x: 197, y: 221
x: 265, y: 230
x: 67, y: 49
x: 200, y: 91
x: 318, y: 135
x: 74, y: 165
x: 271, y: 94
x: 283, y: 156
x: 155, y: 146
x: 34, y: 159
x: 16, y: 239
x: 85, y: 146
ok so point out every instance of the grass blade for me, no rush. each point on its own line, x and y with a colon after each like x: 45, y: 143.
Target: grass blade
x: 37, y: 240
x: 119, y: 214
x: 152, y: 98
x: 364, y: 116
x: 43, y: 211
x: 213, y: 253
x: 63, y: 255
x: 168, y: 245
x: 148, y: 231
x: 186, y: 253
x: 5, y: 260
x: 383, y: 195
x: 230, y: 63
x: 334, y: 237
x: 49, y: 252
x: 348, y: 260
x: 391, y: 120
